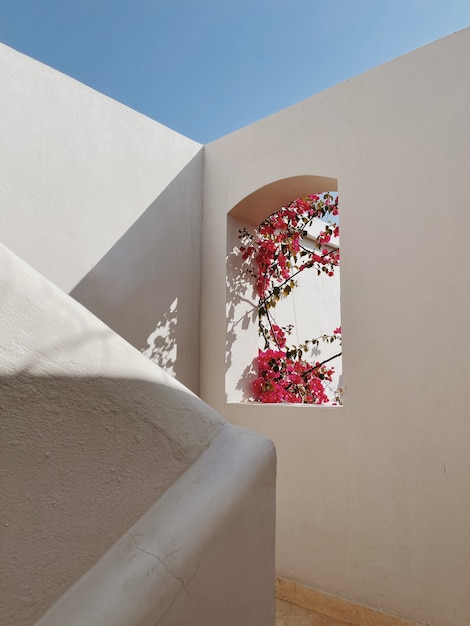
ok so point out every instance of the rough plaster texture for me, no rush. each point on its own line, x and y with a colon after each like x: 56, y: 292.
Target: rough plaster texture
x: 202, y: 555
x: 374, y: 497
x: 92, y: 435
x: 106, y: 194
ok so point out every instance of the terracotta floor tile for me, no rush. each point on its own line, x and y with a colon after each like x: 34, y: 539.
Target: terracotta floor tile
x: 288, y: 614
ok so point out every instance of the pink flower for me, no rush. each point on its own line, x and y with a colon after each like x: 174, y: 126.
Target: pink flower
x: 277, y: 251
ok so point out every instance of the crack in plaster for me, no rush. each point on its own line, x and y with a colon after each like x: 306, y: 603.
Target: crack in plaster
x: 183, y: 585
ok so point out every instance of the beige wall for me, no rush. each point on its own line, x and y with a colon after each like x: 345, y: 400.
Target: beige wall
x: 94, y: 196
x: 93, y: 436
x: 374, y: 497
x: 148, y: 286
x: 202, y: 555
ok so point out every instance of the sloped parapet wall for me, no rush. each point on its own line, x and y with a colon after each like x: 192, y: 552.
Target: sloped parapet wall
x: 93, y: 436
x: 202, y: 555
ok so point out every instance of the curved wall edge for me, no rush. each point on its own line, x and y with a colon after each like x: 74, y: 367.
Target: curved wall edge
x: 205, y: 549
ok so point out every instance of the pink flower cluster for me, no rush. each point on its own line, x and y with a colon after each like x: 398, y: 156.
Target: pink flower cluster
x: 278, y: 256
x: 286, y: 380
x: 276, y: 248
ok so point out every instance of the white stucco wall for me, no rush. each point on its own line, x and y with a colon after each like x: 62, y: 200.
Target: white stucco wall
x: 93, y: 436
x: 94, y: 195
x: 373, y: 497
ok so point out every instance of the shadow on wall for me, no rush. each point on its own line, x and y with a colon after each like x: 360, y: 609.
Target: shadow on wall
x: 162, y: 344
x: 83, y: 459
x: 147, y: 287
x: 241, y: 313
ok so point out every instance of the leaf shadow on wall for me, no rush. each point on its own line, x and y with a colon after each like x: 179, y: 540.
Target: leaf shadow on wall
x: 241, y: 315
x: 147, y: 286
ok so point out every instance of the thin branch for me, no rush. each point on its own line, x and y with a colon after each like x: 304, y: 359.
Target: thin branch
x: 312, y: 369
x: 305, y: 267
x: 272, y: 330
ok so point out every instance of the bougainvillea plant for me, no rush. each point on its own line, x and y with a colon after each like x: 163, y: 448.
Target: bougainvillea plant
x: 274, y: 255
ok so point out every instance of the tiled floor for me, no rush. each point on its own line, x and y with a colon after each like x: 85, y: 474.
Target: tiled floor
x: 288, y: 614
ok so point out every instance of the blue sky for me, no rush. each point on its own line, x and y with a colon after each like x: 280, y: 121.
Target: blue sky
x: 208, y: 67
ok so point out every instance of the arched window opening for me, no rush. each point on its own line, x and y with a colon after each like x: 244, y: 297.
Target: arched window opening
x: 288, y: 252
x: 283, y: 300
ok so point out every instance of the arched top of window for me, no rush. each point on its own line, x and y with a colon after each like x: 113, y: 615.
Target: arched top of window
x: 257, y: 206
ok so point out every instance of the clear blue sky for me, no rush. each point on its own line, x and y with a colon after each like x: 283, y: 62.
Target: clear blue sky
x: 208, y: 67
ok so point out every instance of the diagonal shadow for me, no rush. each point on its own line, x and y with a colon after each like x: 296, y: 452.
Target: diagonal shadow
x: 83, y: 458
x: 147, y: 287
